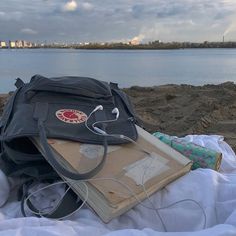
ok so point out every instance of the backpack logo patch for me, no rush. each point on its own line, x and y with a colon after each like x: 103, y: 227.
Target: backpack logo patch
x: 71, y: 116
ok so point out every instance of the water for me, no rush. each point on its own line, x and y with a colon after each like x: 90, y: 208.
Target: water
x: 127, y: 67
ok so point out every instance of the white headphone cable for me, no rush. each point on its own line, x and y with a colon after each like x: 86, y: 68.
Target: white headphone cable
x: 124, y: 185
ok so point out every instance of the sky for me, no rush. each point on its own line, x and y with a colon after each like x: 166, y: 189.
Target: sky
x: 117, y: 20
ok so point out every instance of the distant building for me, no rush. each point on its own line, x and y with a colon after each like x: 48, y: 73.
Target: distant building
x: 12, y: 44
x: 24, y: 44
x: 30, y: 45
x: 19, y: 44
x: 3, y: 44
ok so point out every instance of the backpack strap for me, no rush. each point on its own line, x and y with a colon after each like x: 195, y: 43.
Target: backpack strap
x: 124, y: 98
x: 19, y: 83
x: 8, y: 110
x: 67, y: 205
x: 1, y: 136
x: 1, y: 124
x: 40, y: 115
x: 5, y: 117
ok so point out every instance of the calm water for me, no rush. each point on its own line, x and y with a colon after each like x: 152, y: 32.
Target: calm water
x: 127, y: 67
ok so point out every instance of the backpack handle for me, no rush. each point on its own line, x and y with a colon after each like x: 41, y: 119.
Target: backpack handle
x: 80, y: 86
x: 71, y: 91
x: 40, y: 114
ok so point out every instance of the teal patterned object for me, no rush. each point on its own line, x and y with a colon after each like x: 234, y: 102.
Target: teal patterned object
x: 202, y: 157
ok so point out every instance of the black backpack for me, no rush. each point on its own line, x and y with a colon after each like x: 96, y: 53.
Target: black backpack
x: 61, y: 108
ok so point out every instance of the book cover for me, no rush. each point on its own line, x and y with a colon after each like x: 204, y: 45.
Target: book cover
x: 130, y: 174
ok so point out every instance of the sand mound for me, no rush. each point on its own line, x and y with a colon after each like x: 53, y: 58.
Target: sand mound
x: 185, y: 109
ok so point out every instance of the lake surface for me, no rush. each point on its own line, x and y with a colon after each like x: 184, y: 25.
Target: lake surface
x: 127, y: 67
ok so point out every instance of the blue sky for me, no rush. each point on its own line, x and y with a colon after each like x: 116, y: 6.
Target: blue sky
x: 117, y: 20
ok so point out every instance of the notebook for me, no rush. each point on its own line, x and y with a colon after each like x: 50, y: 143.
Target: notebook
x: 130, y: 174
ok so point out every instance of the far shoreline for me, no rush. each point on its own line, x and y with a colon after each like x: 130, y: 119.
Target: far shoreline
x: 152, y: 45
x: 115, y: 49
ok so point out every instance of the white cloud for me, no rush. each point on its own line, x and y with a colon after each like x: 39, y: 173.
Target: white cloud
x: 105, y: 20
x: 231, y: 28
x: 2, y: 14
x: 70, y: 6
x: 28, y: 31
x: 148, y: 33
x: 87, y: 6
x: 183, y: 23
x: 138, y: 38
x: 15, y: 15
x: 228, y: 1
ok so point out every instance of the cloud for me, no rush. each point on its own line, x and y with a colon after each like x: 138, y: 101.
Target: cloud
x: 138, y: 10
x: 106, y: 20
x: 28, y: 31
x: 2, y: 14
x: 7, y: 16
x: 87, y: 6
x: 138, y: 38
x: 231, y: 28
x: 70, y: 6
x: 148, y: 33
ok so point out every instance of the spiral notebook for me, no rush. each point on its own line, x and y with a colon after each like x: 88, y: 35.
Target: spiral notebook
x: 128, y: 170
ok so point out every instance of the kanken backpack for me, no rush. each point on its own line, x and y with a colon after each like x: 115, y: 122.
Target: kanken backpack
x: 61, y: 108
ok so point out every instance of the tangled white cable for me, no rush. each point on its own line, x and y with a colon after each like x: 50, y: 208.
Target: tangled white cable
x: 156, y: 209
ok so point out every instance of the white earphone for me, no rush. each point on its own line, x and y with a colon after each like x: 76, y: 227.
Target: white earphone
x: 99, y: 107
x: 96, y: 129
x: 99, y: 131
x: 116, y: 111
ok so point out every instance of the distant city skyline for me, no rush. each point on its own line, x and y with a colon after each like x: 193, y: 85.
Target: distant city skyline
x: 121, y: 20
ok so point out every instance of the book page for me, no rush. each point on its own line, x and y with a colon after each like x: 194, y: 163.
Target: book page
x: 126, y: 165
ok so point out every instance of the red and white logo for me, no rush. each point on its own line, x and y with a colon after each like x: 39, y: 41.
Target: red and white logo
x: 71, y: 116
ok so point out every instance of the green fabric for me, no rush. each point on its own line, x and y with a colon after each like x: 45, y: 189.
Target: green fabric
x: 202, y: 157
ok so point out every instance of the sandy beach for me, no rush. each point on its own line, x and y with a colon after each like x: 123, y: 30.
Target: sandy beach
x: 185, y: 109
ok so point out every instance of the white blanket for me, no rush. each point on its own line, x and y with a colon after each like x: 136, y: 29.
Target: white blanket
x: 215, y: 192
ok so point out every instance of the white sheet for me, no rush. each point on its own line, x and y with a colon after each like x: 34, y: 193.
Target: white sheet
x: 215, y: 192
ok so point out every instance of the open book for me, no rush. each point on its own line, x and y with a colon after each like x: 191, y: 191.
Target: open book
x: 128, y: 176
